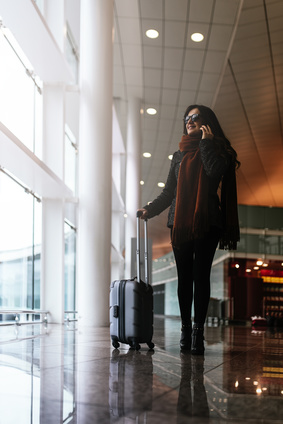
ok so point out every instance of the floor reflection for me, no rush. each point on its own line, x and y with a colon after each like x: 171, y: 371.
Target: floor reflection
x: 60, y: 374
x: 130, y: 383
x: 192, y: 400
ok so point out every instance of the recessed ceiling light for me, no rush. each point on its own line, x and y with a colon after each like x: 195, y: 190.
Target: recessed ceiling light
x: 141, y: 182
x: 147, y: 155
x: 170, y: 157
x: 152, y: 33
x: 151, y: 111
x: 197, y: 37
x: 161, y: 184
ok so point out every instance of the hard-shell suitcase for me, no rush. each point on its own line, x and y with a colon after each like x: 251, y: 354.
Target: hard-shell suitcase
x: 131, y: 305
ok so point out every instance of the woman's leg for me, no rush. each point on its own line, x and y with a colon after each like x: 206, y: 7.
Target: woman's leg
x: 184, y: 265
x: 204, y: 253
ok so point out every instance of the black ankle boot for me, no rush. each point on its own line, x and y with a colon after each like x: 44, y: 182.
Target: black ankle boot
x: 197, y: 340
x: 186, y: 337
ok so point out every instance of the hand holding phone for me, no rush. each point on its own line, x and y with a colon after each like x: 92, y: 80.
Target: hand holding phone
x: 206, y: 132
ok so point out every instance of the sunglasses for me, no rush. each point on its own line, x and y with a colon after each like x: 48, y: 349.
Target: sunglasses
x: 195, y: 117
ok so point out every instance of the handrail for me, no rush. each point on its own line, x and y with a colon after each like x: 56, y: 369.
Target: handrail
x: 67, y: 319
x: 18, y: 312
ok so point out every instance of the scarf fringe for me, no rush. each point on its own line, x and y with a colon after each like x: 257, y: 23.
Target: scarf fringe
x: 228, y: 240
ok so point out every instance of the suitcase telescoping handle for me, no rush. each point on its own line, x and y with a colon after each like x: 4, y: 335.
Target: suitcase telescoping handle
x: 146, y: 273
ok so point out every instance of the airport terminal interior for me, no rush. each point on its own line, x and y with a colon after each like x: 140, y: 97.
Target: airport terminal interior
x: 92, y: 100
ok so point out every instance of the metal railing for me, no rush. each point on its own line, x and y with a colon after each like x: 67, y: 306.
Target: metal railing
x: 68, y: 319
x: 19, y: 312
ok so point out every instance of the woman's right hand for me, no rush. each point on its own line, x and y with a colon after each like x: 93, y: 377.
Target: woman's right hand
x: 143, y: 213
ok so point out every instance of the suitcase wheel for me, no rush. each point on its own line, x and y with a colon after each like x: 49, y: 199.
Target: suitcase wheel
x: 115, y: 344
x: 135, y: 345
x: 150, y: 345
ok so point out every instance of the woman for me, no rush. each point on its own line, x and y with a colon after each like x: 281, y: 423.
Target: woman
x: 198, y: 218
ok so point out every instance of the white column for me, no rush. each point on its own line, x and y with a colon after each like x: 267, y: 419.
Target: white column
x: 133, y: 175
x: 95, y: 153
x: 52, y: 286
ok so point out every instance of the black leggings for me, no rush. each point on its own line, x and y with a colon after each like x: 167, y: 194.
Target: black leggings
x: 193, y: 262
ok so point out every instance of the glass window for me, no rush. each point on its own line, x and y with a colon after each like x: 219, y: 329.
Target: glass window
x: 20, y: 227
x: 70, y: 268
x: 272, y: 245
x: 71, y: 52
x: 21, y: 99
x: 274, y: 218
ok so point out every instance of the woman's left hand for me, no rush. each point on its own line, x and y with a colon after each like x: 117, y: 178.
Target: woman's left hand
x: 206, y: 132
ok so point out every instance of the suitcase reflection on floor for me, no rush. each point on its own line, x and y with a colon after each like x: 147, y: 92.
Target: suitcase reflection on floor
x: 130, y: 383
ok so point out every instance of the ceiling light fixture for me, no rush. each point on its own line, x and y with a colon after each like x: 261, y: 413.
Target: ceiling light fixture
x: 161, y: 184
x: 141, y: 182
x: 152, y: 33
x: 151, y: 111
x: 197, y: 37
x: 147, y: 155
x: 170, y: 157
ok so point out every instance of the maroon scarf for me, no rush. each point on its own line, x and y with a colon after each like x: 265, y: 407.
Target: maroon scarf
x: 191, y: 213
x: 191, y: 216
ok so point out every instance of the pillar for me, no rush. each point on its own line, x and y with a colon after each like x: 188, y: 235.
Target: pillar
x: 52, y: 286
x: 133, y: 175
x: 95, y: 156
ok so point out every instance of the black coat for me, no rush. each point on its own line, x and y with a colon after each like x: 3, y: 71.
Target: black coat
x: 215, y: 165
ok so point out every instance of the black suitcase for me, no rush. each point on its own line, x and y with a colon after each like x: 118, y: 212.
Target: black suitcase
x: 131, y: 305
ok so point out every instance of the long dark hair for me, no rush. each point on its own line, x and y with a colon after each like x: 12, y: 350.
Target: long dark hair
x: 210, y: 119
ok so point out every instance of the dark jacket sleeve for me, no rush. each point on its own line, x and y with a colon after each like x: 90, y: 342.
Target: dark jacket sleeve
x: 214, y: 158
x: 165, y: 198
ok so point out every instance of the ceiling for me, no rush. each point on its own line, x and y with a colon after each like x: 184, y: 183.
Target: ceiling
x: 237, y: 70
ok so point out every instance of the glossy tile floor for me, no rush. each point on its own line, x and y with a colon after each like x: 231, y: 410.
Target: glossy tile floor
x: 67, y: 374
